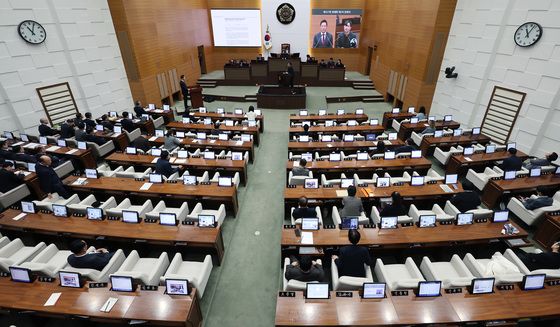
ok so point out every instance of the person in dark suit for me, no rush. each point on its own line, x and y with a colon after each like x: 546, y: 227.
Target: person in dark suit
x: 545, y: 260
x: 141, y: 143
x: 127, y: 123
x: 184, y: 91
x: 302, y: 211
x: 90, y: 137
x: 5, y: 152
x: 408, y: 147
x: 138, y: 109
x: 538, y: 201
x: 351, y: 258
x: 9, y: 178
x: 80, y: 134
x: 89, y: 121
x: 305, y: 130
x: 396, y: 208
x: 45, y: 129
x: 512, y: 162
x: 323, y: 63
x: 539, y: 162
x: 379, y: 148
x: 347, y: 39
x: 81, y: 258
x: 323, y: 39
x: 107, y: 125
x: 67, y: 129
x: 466, y: 200
x: 300, y: 170
x: 48, y: 179
x: 331, y: 63
x: 339, y: 64
x: 20, y: 155
x: 305, y: 270
x: 291, y: 74
x: 352, y: 205
x: 42, y: 151
x: 79, y: 118
x: 163, y: 166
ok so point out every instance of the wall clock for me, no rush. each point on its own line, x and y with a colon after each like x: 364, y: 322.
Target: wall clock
x: 286, y: 13
x: 32, y: 32
x: 528, y: 34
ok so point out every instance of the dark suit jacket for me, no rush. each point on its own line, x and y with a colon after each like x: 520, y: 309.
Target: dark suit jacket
x: 9, y: 180
x: 48, y: 179
x: 290, y: 72
x: 25, y: 157
x: 466, y: 201
x: 535, y: 261
x: 351, y: 260
x: 392, y: 211
x: 304, y: 213
x: 95, y: 139
x: 184, y: 89
x: 512, y: 163
x: 164, y: 168
x: 127, y: 125
x: 139, y: 111
x: 96, y: 261
x: 6, y: 154
x: 45, y: 130
x: 316, y: 273
x: 539, y: 202
x: 328, y: 43
x: 66, y: 131
x: 405, y: 148
x: 90, y: 122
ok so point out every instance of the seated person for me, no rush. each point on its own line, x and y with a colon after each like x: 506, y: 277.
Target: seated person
x: 49, y: 181
x: 305, y: 130
x: 331, y: 63
x: 352, y: 205
x: 304, y: 270
x: 67, y: 129
x: 323, y: 63
x: 421, y: 113
x: 80, y: 132
x: 107, y: 125
x: 532, y: 203
x: 430, y: 129
x: 90, y: 122
x: 5, y: 152
x: 339, y: 64
x: 300, y: 170
x: 127, y: 123
x: 91, y: 137
x: 81, y: 258
x: 308, y: 58
x: 545, y: 260
x: 408, y: 147
x: 20, y: 155
x: 141, y: 143
x: 538, y: 162
x: 351, y: 258
x: 163, y: 166
x: 251, y: 115
x: 138, y: 109
x: 379, y: 148
x: 9, y: 178
x: 512, y: 162
x: 171, y: 142
x: 45, y: 129
x: 396, y: 208
x: 466, y: 200
x: 42, y: 151
x: 302, y: 211
x: 216, y: 128
x: 79, y: 118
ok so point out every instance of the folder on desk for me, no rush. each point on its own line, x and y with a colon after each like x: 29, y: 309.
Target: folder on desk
x: 446, y: 188
x: 80, y: 181
x: 306, y: 238
x: 109, y: 304
x: 153, y: 138
x: 145, y: 186
x: 53, y: 148
x: 341, y: 193
x: 52, y: 299
x: 72, y: 151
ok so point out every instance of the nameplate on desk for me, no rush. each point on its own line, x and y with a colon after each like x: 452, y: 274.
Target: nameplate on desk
x: 554, y: 213
x: 453, y: 290
x: 205, y: 183
x: 75, y: 214
x: 555, y: 282
x: 139, y: 179
x: 44, y: 279
x: 4, y: 274
x: 184, y: 222
x: 328, y: 186
x: 348, y: 159
x: 98, y: 285
x: 172, y: 182
x: 407, y: 224
x: 446, y: 222
x: 399, y: 293
x: 344, y: 294
x: 286, y: 294
x: 149, y: 288
x: 481, y: 220
x: 505, y: 287
x: 48, y: 212
x: 113, y: 218
x: 292, y: 186
x: 432, y: 182
x: 369, y: 226
x: 15, y: 207
x: 398, y: 184
x: 150, y: 220
x: 289, y: 226
x: 146, y: 186
x: 363, y: 185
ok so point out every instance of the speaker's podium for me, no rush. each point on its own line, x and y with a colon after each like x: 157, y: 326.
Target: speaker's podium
x: 281, y: 97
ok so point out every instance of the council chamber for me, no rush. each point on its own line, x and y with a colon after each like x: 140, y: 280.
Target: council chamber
x: 279, y: 163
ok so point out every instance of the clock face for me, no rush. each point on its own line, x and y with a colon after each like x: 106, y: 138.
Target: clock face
x: 32, y: 32
x: 528, y: 34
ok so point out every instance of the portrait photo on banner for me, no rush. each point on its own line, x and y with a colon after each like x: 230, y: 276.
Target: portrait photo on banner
x: 335, y: 28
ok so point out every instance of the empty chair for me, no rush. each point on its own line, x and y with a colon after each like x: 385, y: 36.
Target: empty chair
x: 441, y: 215
x: 378, y: 156
x: 64, y: 169
x: 197, y: 273
x: 397, y: 125
x: 452, y: 274
x: 219, y: 214
x: 293, y: 284
x: 531, y: 216
x: 158, y: 122
x: 100, y: 276
x: 319, y: 156
x: 417, y: 138
x: 480, y: 179
x: 298, y: 220
x: 298, y: 180
x: 127, y: 205
x: 399, y: 276
x: 15, y: 253
x: 432, y: 175
x: 48, y: 262
x: 199, y: 179
x: 376, y: 217
x: 133, y: 135
x: 4, y: 240
x: 105, y: 170
x: 443, y: 156
x: 337, y: 220
x: 235, y: 179
x: 336, y: 181
x: 499, y: 267
x: 13, y: 196
x: 344, y: 155
x: 511, y: 256
x: 358, y: 180
x: 349, y: 283
x: 405, y: 178
x: 291, y: 155
x: 478, y: 213
x: 46, y: 203
x: 130, y: 173
x: 100, y: 151
x: 81, y: 207
x: 148, y: 271
x: 181, y: 212
x: 522, y: 171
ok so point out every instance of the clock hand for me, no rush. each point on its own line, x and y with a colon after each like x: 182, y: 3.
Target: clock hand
x: 31, y: 31
x: 527, y: 31
x: 532, y: 29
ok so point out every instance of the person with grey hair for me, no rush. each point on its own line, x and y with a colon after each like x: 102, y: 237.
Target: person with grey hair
x: 45, y: 129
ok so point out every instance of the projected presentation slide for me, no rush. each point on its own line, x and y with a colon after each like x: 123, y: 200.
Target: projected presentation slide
x: 335, y: 28
x: 236, y: 27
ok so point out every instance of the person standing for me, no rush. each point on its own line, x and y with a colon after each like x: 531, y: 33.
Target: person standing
x: 184, y: 91
x: 323, y: 39
x: 291, y: 73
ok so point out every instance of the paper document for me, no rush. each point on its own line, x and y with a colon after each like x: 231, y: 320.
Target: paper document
x: 159, y: 111
x: 446, y: 188
x: 426, y: 125
x: 153, y: 138
x: 25, y: 173
x: 306, y: 238
x: 329, y: 145
x: 145, y: 186
x: 30, y: 145
x: 20, y: 216
x: 109, y: 304
x: 239, y: 143
x: 155, y: 160
x: 53, y: 148
x: 52, y: 299
x: 244, y: 128
x: 18, y: 143
x: 194, y: 141
x: 468, y: 159
x: 341, y: 193
x: 180, y: 161
x: 295, y: 164
x: 72, y: 151
x: 307, y: 250
x: 116, y: 134
x: 80, y: 181
x: 212, y: 141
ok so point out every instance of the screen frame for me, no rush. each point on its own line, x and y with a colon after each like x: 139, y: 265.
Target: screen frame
x: 236, y: 46
x: 316, y: 298
x: 178, y: 280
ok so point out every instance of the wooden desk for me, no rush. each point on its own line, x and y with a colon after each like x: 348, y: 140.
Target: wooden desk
x: 84, y: 157
x: 407, y: 128
x: 237, y: 73
x: 152, y: 306
x: 212, y: 192
x: 210, y: 144
x: 332, y: 74
x: 318, y: 167
x: 280, y: 97
x: 429, y: 143
x: 120, y: 140
x: 337, y: 146
x: 494, y: 189
x: 459, y: 164
x: 32, y: 182
x: 339, y: 130
x: 323, y: 118
x: 388, y: 118
x: 216, y: 116
x: 167, y: 115
x: 208, y: 128
x: 548, y: 230
x: 233, y: 166
x: 152, y: 233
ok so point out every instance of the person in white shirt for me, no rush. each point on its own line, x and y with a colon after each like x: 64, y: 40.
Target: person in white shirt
x: 251, y: 115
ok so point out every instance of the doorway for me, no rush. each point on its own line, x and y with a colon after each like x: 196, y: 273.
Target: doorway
x: 369, y: 58
x: 201, y: 59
